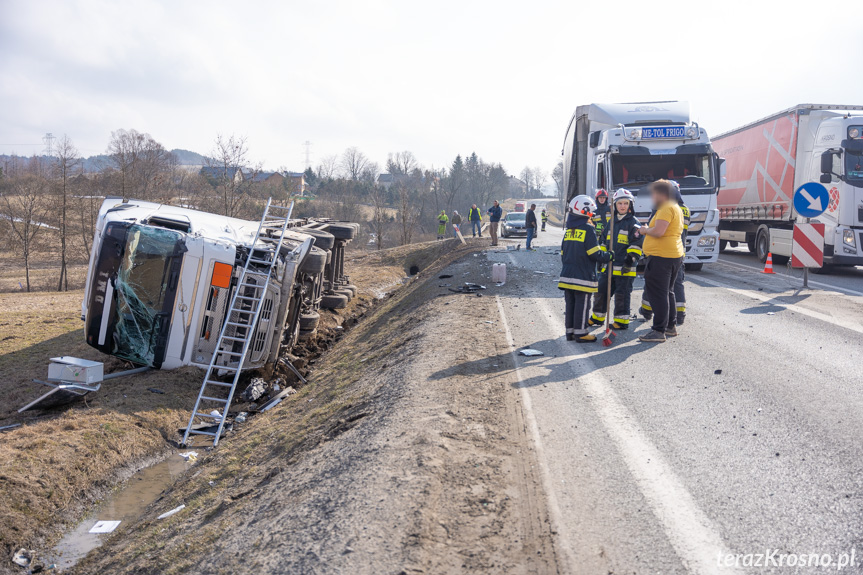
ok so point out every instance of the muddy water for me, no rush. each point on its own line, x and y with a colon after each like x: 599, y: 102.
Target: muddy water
x: 125, y: 504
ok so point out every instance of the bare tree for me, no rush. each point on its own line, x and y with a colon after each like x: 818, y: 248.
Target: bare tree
x: 142, y: 165
x: 539, y: 179
x: 557, y: 176
x: 354, y: 163
x: 402, y: 163
x: 410, y: 209
x: 67, y: 161
x: 327, y: 167
x: 25, y: 208
x: 231, y: 173
x: 527, y: 177
x: 379, y: 215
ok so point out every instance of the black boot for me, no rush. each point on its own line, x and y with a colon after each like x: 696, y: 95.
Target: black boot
x: 570, y: 337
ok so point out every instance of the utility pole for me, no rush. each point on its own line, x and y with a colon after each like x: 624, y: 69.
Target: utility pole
x: 48, y: 139
x: 308, y: 146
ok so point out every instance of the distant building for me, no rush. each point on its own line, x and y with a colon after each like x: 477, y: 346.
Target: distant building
x: 270, y: 178
x: 217, y: 173
x: 295, y: 182
x: 387, y: 180
x: 517, y: 188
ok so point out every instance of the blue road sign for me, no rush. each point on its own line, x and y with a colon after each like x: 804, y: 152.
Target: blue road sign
x: 811, y: 199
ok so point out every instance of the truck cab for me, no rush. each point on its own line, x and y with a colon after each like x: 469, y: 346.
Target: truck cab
x: 614, y: 146
x: 837, y: 162
x: 161, y: 277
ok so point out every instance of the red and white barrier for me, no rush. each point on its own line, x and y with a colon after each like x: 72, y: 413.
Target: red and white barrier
x: 807, y: 247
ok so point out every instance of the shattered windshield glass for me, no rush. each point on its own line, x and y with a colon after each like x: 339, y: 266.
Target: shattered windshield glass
x: 142, y: 287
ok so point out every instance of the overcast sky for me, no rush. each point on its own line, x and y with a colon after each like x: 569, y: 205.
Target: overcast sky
x: 501, y: 78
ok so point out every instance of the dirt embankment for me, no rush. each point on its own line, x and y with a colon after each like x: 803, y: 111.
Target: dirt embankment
x: 405, y: 453
x: 60, y: 462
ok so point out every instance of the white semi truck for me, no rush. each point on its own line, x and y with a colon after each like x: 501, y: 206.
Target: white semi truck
x: 767, y: 160
x: 615, y: 146
x: 161, y: 278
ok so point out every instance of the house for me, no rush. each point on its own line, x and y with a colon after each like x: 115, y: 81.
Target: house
x: 269, y: 178
x: 218, y: 173
x: 517, y: 188
x: 296, y: 183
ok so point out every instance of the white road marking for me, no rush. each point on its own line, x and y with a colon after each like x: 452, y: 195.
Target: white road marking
x: 811, y: 282
x: 558, y: 526
x: 688, y: 529
x: 840, y: 321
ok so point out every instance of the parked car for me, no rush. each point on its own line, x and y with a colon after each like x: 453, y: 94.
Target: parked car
x: 514, y: 224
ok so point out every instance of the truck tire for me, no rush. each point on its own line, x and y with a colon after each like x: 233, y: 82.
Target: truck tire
x: 723, y: 244
x: 351, y: 287
x: 345, y: 292
x: 342, y: 231
x: 309, y: 321
x: 750, y: 243
x: 323, y: 240
x: 334, y: 301
x: 824, y: 270
x: 762, y: 243
x: 694, y: 267
x: 306, y: 334
x: 314, y: 262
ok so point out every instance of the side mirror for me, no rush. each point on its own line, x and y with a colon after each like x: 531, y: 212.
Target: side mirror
x: 720, y: 162
x: 826, y: 178
x: 826, y: 164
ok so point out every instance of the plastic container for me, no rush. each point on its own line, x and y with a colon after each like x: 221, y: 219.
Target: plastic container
x: 498, y: 273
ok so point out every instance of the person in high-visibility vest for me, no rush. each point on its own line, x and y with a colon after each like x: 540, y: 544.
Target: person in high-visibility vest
x: 544, y: 216
x: 442, y: 220
x: 603, y: 213
x: 474, y: 216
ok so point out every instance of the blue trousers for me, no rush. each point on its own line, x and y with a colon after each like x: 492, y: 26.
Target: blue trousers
x: 530, y: 233
x: 476, y: 227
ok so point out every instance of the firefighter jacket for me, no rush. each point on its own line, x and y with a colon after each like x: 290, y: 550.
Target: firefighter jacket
x: 544, y: 216
x: 626, y: 245
x: 579, y: 253
x: 600, y: 218
x: 687, y: 217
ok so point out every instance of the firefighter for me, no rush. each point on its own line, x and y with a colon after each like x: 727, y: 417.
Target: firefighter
x: 442, y: 220
x: 600, y: 218
x: 580, y: 252
x: 544, y: 216
x: 679, y: 291
x: 626, y: 247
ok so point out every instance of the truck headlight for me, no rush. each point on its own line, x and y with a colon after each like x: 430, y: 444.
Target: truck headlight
x: 848, y: 238
x: 635, y: 133
x: 691, y: 132
x: 707, y: 242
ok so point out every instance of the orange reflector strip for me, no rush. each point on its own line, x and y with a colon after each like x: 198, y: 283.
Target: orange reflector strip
x: 221, y: 275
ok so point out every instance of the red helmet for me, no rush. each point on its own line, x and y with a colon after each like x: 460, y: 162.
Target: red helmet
x: 601, y: 193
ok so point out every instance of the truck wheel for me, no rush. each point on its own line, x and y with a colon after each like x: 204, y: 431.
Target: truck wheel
x: 306, y: 334
x: 314, y: 262
x: 342, y: 231
x: 334, y: 301
x: 323, y: 240
x: 694, y: 267
x: 723, y: 244
x: 309, y: 321
x: 750, y: 243
x: 824, y: 270
x: 345, y: 292
x: 351, y: 287
x: 762, y: 243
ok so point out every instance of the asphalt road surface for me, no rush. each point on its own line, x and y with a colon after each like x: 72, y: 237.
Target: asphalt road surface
x: 725, y: 450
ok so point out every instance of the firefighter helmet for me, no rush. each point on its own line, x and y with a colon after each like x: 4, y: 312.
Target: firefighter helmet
x: 601, y: 193
x: 623, y: 194
x: 582, y: 205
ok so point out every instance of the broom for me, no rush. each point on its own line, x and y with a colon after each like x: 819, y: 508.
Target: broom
x: 609, y: 336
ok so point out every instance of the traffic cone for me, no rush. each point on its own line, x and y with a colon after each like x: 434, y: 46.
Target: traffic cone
x: 768, y: 265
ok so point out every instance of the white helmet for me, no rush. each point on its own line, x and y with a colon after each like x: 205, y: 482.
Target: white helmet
x: 623, y: 194
x: 582, y: 205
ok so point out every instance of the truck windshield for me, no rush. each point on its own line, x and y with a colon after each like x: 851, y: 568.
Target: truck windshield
x: 854, y: 158
x: 144, y: 292
x: 694, y: 172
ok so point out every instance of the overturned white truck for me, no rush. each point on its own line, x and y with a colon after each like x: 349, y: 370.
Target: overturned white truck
x: 162, y: 279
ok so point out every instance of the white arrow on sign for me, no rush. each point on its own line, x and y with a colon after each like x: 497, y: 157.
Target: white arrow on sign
x: 814, y: 203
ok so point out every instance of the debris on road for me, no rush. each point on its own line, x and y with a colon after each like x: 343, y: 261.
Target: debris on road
x: 155, y: 390
x: 530, y: 352
x: 717, y: 372
x: 241, y: 417
x: 189, y: 455
x: 23, y: 557
x: 8, y: 427
x: 468, y: 287
x: 104, y: 527
x: 256, y: 388
x: 444, y: 276
x: 171, y: 512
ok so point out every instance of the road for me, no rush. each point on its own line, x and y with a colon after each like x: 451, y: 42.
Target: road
x: 737, y: 437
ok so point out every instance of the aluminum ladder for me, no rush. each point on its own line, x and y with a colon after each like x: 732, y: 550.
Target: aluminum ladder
x: 242, y: 317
